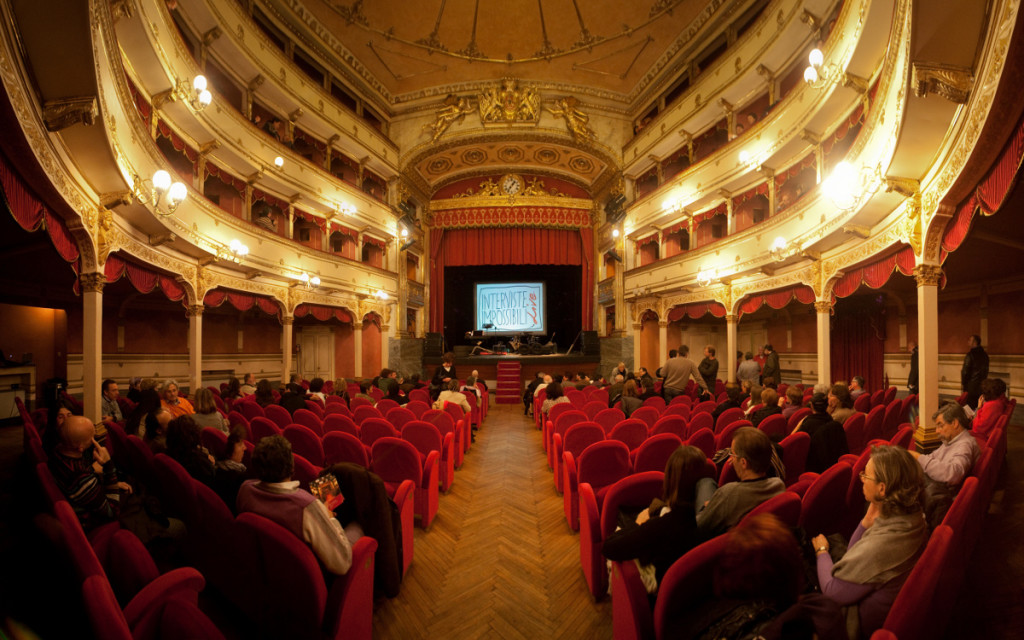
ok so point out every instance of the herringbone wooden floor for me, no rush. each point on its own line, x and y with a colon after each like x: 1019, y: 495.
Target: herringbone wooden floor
x: 499, y: 560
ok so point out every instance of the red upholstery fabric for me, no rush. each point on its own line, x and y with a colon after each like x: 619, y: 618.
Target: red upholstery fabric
x: 608, y: 418
x: 559, y: 425
x: 214, y: 440
x: 874, y: 424
x: 687, y: 584
x: 863, y: 402
x: 774, y: 426
x: 912, y: 617
x: 701, y: 420
x: 794, y: 455
x: 655, y: 401
x: 593, y: 407
x: 426, y: 438
x: 649, y: 415
x: 339, y: 422
x: 677, y: 409
x: 446, y: 424
x: 262, y: 427
x: 305, y: 443
x: 340, y: 446
x: 305, y: 471
x: 577, y: 437
x: 855, y: 433
x: 632, y: 432
x: 727, y: 417
x: 654, y: 453
x: 704, y: 440
x: 363, y: 412
x: 600, y: 465
x: 372, y: 429
x: 250, y: 410
x: 705, y: 407
x: 785, y: 507
x: 386, y: 405
x: 796, y: 417
x: 310, y: 420
x: 724, y: 438
x: 891, y: 422
x: 399, y: 416
x: 631, y: 610
x: 818, y: 513
x: 395, y: 460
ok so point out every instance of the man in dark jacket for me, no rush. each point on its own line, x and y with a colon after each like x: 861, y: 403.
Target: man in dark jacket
x: 912, y: 376
x: 708, y: 368
x: 975, y: 370
x: 771, y: 366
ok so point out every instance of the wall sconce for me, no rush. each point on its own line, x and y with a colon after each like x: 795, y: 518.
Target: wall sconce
x: 311, y: 282
x: 781, y: 249
x: 615, y: 233
x: 817, y: 74
x: 201, y: 96
x: 705, y: 277
x: 346, y: 209
x: 848, y: 187
x: 160, y: 191
x: 380, y: 294
x: 238, y: 250
x: 278, y: 162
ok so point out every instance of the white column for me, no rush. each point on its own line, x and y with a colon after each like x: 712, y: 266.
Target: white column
x: 662, y: 341
x: 195, y: 347
x: 92, y: 342
x: 286, y: 348
x: 731, y: 321
x: 823, y: 311
x: 636, y: 346
x: 357, y: 336
x: 928, y: 277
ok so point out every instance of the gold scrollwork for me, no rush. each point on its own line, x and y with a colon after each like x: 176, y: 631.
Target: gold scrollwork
x: 951, y: 82
x: 928, y: 275
x: 823, y: 306
x: 92, y: 282
x: 509, y: 104
x: 61, y: 114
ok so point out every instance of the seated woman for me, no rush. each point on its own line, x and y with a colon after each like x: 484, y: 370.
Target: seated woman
x: 264, y: 395
x: 135, y: 422
x: 755, y: 399
x: 630, y: 398
x: 234, y: 452
x: 451, y: 394
x: 840, y: 403
x: 185, y: 445
x: 885, y: 546
x: 770, y: 400
x: 992, y: 407
x: 554, y: 395
x: 394, y: 392
x: 206, y: 414
x: 234, y: 389
x: 667, y: 529
x: 794, y: 400
x: 153, y: 430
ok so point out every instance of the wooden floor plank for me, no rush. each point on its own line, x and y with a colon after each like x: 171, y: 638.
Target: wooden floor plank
x: 499, y: 560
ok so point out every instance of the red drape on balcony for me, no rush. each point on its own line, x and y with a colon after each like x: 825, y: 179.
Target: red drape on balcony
x: 242, y: 301
x: 696, y: 310
x: 322, y: 313
x: 511, y: 246
x: 778, y: 299
x: 143, y: 278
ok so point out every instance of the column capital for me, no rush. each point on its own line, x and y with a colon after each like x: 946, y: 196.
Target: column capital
x: 637, y: 326
x: 663, y: 324
x: 288, y: 321
x: 92, y: 282
x: 194, y: 310
x: 823, y: 306
x: 928, y: 275
x: 731, y: 318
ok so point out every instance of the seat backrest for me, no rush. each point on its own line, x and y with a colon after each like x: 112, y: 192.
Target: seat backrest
x: 654, y: 453
x: 672, y: 423
x: 420, y: 395
x: 967, y: 512
x: 890, y: 395
x: 785, y: 507
x: 724, y: 437
x: 818, y: 513
x: 701, y: 420
x: 600, y: 395
x: 310, y: 420
x: 603, y: 463
x: 559, y: 409
x: 176, y: 489
x: 567, y: 419
x: 395, y: 460
x: 214, y: 440
x: 235, y: 418
x: 263, y: 427
x: 874, y: 423
x: 631, y: 431
x: 593, y: 408
x: 305, y: 442
x: 576, y: 397
x: 386, y: 404
x: 635, y: 490
x: 336, y: 405
x: 904, y: 437
x: 649, y: 415
x: 704, y: 440
x: 911, y: 614
x: 423, y: 435
x: 727, y: 417
x: 580, y: 436
x: 339, y: 422
x: 456, y: 412
x: 106, y: 619
x: 340, y: 446
x: 278, y: 414
x: 877, y: 397
x: 440, y: 419
x: 305, y: 471
x: 363, y: 412
x: 655, y: 401
x: 774, y: 426
x: 357, y: 402
x: 891, y: 421
x: 796, y: 417
x: 418, y: 407
x: 682, y: 399
x: 674, y: 408
x: 75, y: 543
x: 373, y: 428
x: 854, y: 428
x: 863, y: 402
x: 707, y: 407
x: 250, y: 409
x: 687, y: 585
x: 316, y: 405
x: 399, y: 417
x: 608, y: 418
x: 794, y: 455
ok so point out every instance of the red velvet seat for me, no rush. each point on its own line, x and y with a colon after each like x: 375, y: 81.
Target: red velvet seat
x: 337, y: 406
x: 723, y: 439
x: 310, y: 420
x: 655, y: 401
x: 301, y: 605
x: 598, y: 522
x: 141, y: 457
x: 305, y: 443
x: 874, y: 424
x: 774, y: 427
x: 166, y: 616
x: 601, y: 465
x: 677, y: 409
x: 796, y: 417
x: 727, y: 417
x: 687, y: 585
x: 794, y: 455
x: 559, y: 409
x: 700, y: 420
x: 363, y: 412
x: 912, y: 616
x: 704, y: 440
x: 784, y: 506
x: 608, y: 418
x: 339, y: 422
x: 372, y: 429
x: 357, y: 402
x: 818, y: 512
x: 599, y: 395
x: 891, y: 421
x: 340, y: 446
x: 705, y: 407
x: 386, y: 404
x: 250, y: 409
x: 399, y: 417
x: 576, y: 438
x: 862, y: 403
x: 396, y: 460
x: 215, y: 441
x: 316, y: 405
x: 446, y: 424
x: 576, y: 397
x: 855, y: 434
x: 654, y: 453
x: 51, y: 492
x: 649, y: 415
x: 674, y: 424
x: 418, y: 406
x: 877, y: 398
x: 421, y: 395
x: 631, y: 431
x: 631, y: 609
x: 426, y: 438
x: 475, y: 413
x: 461, y: 424
x: 559, y: 425
x: 593, y: 407
x: 263, y: 427
x: 236, y: 418
x: 305, y: 471
x: 904, y: 437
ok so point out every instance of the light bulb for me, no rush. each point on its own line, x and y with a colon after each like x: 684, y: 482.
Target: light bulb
x: 779, y: 244
x: 315, y: 281
x: 279, y: 162
x: 744, y: 156
x: 615, y: 233
x: 177, y: 193
x: 161, y: 181
x: 304, y: 277
x: 405, y: 233
x: 205, y: 98
x: 235, y: 245
x: 810, y: 75
x: 816, y: 58
x: 199, y: 84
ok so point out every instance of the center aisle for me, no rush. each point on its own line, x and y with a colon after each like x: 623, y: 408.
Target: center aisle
x: 499, y: 560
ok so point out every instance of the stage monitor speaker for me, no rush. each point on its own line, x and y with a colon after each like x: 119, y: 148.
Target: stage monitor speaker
x: 591, y: 343
x: 433, y: 345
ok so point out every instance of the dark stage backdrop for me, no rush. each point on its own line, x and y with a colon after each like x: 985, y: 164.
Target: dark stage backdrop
x: 562, y: 289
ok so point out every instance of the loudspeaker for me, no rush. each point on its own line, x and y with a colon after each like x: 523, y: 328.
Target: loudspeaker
x: 433, y: 346
x: 590, y: 343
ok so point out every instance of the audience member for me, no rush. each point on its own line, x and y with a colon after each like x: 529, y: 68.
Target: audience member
x: 471, y: 387
x: 395, y: 392
x: 794, y: 401
x: 620, y: 370
x: 316, y: 391
x: 771, y: 368
x: 722, y: 507
x: 206, y: 414
x: 840, y: 404
x: 85, y: 474
x: 630, y: 398
x: 946, y: 467
x: 479, y: 380
x: 666, y: 529
x: 856, y: 387
x: 708, y: 368
x: 234, y: 452
x: 545, y: 381
x: 134, y: 389
x: 885, y: 546
x: 993, y: 406
x: 248, y: 387
x: 364, y: 390
x: 277, y: 497
x: 451, y: 394
x: 828, y: 439
x: 387, y: 379
x: 154, y: 430
x: 749, y: 370
x: 108, y: 400
x: 184, y: 444
x: 294, y: 398
x: 264, y: 394
x: 770, y: 407
x: 913, y: 375
x: 149, y: 402
x: 974, y: 371
x: 233, y: 390
x: 677, y: 372
x: 554, y: 395
x: 644, y: 378
x: 444, y: 374
x: 176, y: 405
x: 732, y: 400
x: 528, y: 394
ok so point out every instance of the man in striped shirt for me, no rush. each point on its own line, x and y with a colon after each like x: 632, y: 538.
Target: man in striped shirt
x: 85, y: 474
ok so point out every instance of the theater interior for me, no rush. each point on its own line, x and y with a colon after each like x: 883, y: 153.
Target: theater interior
x: 196, y: 190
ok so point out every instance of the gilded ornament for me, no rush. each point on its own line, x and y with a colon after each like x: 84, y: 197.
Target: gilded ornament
x: 575, y: 120
x: 951, y: 82
x: 65, y: 112
x: 454, y: 110
x: 508, y: 104
x: 928, y: 275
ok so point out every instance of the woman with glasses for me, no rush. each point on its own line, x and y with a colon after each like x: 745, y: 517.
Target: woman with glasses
x: 885, y: 546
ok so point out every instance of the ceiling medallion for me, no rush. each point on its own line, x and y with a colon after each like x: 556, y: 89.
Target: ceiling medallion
x: 510, y: 154
x: 546, y: 155
x: 473, y: 156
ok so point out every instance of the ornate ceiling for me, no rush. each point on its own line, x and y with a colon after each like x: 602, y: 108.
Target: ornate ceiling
x: 422, y: 48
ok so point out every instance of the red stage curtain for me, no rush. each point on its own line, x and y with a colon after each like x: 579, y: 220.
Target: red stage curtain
x: 513, y: 246
x: 858, y: 340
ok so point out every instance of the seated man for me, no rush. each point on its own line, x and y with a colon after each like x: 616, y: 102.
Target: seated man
x: 828, y: 440
x: 249, y: 385
x: 732, y: 400
x: 85, y: 474
x: 856, y: 387
x: 110, y: 408
x: 170, y: 400
x: 615, y: 391
x: 721, y: 508
x: 294, y: 398
x: 277, y: 497
x: 946, y: 467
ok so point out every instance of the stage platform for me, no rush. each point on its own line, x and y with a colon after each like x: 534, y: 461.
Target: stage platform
x: 529, y: 365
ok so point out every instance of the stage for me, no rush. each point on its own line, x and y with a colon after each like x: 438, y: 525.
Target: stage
x: 487, y: 366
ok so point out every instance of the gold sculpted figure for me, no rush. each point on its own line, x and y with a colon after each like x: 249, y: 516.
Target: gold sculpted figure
x: 455, y: 109
x: 575, y: 120
x: 509, y: 104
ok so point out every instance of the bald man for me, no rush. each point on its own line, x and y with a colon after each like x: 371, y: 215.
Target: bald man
x: 85, y: 474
